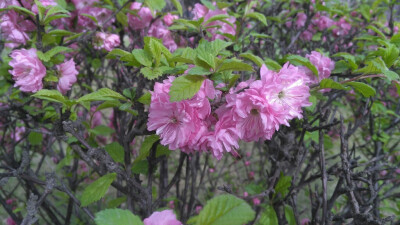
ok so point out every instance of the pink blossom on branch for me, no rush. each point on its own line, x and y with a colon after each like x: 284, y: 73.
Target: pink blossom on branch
x: 28, y: 71
x: 143, y: 17
x: 323, y: 64
x: 14, y: 28
x: 166, y: 217
x: 106, y: 41
x: 68, y: 74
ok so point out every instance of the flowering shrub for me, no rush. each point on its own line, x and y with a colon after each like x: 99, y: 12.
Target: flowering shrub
x: 187, y: 112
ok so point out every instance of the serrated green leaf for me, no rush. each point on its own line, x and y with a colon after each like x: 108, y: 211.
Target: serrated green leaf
x: 364, y: 89
x: 108, y: 104
x: 391, y: 75
x: 395, y: 39
x: 103, y: 94
x: 122, y: 18
x: 198, y: 71
x: 376, y: 30
x: 302, y: 61
x: 272, y: 65
x: 178, y: 6
x: 289, y: 215
x: 283, y: 185
x: 146, y: 147
x: 219, y: 17
x: 50, y: 95
x: 49, y: 54
x: 225, y: 209
x: 185, y: 87
x: 35, y: 138
x: 257, y: 60
x: 268, y: 217
x: 156, y: 5
x: 102, y: 130
x: 145, y: 99
x: 151, y: 73
x: 116, y: 202
x: 21, y: 9
x: 349, y: 58
x: 376, y: 65
x: 390, y: 55
x: 142, y: 57
x: 54, y: 17
x: 329, y: 83
x: 96, y: 190
x: 121, y: 216
x: 116, y: 151
x: 258, y: 16
x: 234, y: 65
x: 205, y: 57
x: 140, y: 167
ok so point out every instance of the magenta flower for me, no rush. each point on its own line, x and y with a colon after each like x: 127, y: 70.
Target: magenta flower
x: 169, y: 19
x: 143, y: 18
x: 28, y: 71
x: 13, y: 27
x: 322, y: 22
x: 68, y: 74
x: 106, y: 41
x: 343, y: 28
x: 301, y: 20
x: 323, y: 64
x: 166, y: 217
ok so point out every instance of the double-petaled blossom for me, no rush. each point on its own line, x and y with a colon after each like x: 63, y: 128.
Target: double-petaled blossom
x: 218, y: 27
x: 166, y: 217
x: 68, y: 75
x: 106, y: 41
x: 28, y: 71
x: 323, y: 64
x: 14, y: 28
x: 143, y: 17
x: 342, y: 27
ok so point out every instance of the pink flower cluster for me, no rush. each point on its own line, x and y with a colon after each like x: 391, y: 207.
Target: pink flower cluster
x: 106, y: 41
x: 252, y: 111
x: 218, y: 27
x: 166, y: 217
x: 323, y: 64
x: 28, y: 71
x: 159, y: 27
x: 68, y: 75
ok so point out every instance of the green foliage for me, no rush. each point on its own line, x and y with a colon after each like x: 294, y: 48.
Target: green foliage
x: 362, y: 88
x: 268, y: 217
x: 225, y: 209
x: 96, y: 190
x: 301, y: 61
x: 329, y: 83
x: 117, y: 216
x: 283, y: 185
x: 185, y: 87
x: 257, y: 16
x: 116, y: 151
x: 146, y: 147
x: 35, y: 138
x: 103, y: 94
x: 289, y: 215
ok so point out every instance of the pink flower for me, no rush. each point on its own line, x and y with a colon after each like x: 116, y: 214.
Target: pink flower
x: 301, y: 20
x: 245, y: 194
x: 143, y: 18
x: 199, y: 11
x: 28, y: 71
x: 159, y: 30
x: 166, y: 217
x: 106, y: 41
x: 18, y: 133
x: 101, y: 15
x: 305, y: 221
x: 45, y: 3
x: 9, y: 201
x: 323, y: 64
x: 343, y: 28
x: 171, y: 204
x: 13, y: 27
x: 198, y: 209
x: 68, y: 74
x: 256, y: 201
x: 247, y: 163
x: 169, y: 19
x: 322, y: 22
x: 10, y: 221
x: 80, y: 4
x: 211, y: 170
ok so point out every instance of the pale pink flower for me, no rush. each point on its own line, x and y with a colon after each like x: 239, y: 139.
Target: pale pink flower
x: 166, y: 217
x: 143, y: 17
x: 245, y: 194
x: 6, y: 3
x: 101, y: 14
x: 305, y: 221
x: 13, y: 27
x: 342, y: 29
x: 247, y: 163
x: 159, y: 30
x: 80, y: 4
x: 169, y: 19
x: 198, y: 209
x: 301, y: 20
x: 68, y: 75
x: 211, y: 170
x: 106, y: 41
x: 28, y: 71
x: 45, y: 3
x: 256, y: 201
x: 322, y: 22
x: 199, y: 11
x: 323, y: 64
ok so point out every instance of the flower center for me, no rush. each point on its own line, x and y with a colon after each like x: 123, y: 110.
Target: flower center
x: 281, y: 94
x: 254, y: 112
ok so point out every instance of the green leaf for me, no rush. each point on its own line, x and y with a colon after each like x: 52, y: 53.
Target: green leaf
x: 142, y: 57
x: 185, y: 87
x: 50, y: 95
x: 108, y: 104
x: 395, y: 39
x: 257, y: 60
x: 116, y: 151
x: 289, y: 215
x: 258, y: 16
x: 102, y: 94
x: 96, y: 190
x: 272, y: 65
x: 376, y: 65
x: 205, y: 57
x: 349, y: 58
x: 122, y: 18
x: 140, y: 167
x: 283, y: 185
x: 90, y: 17
x: 146, y: 147
x: 114, y: 203
x: 21, y: 9
x: 225, y: 209
x: 102, y: 130
x: 269, y: 217
x: 54, y: 17
x: 213, y: 47
x: 145, y: 99
x: 329, y: 83
x: 391, y: 53
x: 302, y: 61
x: 364, y: 89
x: 156, y: 5
x: 35, y: 138
x: 55, y: 9
x: 162, y: 150
x: 52, y: 52
x: 391, y: 75
x: 151, y: 73
x: 117, y: 216
x: 178, y: 6
x: 219, y: 17
x: 198, y: 71
x: 376, y: 30
x: 235, y: 65
x: 156, y: 48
